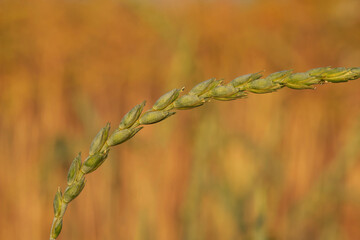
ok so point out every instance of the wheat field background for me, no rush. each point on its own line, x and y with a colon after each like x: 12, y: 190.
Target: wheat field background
x: 284, y: 165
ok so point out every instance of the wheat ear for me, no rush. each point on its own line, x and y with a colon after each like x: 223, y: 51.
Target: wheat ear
x: 166, y: 106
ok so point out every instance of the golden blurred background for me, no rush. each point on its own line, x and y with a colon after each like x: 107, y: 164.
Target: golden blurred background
x: 276, y: 166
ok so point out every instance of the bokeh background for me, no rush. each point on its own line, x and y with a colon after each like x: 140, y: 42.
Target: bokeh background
x: 284, y: 165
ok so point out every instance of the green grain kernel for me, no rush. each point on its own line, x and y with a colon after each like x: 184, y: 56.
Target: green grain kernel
x: 57, y: 203
x: 223, y: 91
x: 72, y: 191
x: 188, y: 102
x: 56, y: 229
x: 130, y: 118
x: 263, y: 85
x: 166, y: 99
x: 245, y: 78
x: 99, y: 140
x: 93, y: 162
x: 121, y: 135
x: 204, y: 87
x: 154, y: 117
x: 74, y: 169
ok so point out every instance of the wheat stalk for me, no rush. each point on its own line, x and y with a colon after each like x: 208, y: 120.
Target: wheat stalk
x: 166, y: 106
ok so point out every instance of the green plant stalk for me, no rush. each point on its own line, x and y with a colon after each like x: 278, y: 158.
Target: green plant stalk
x: 166, y: 106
